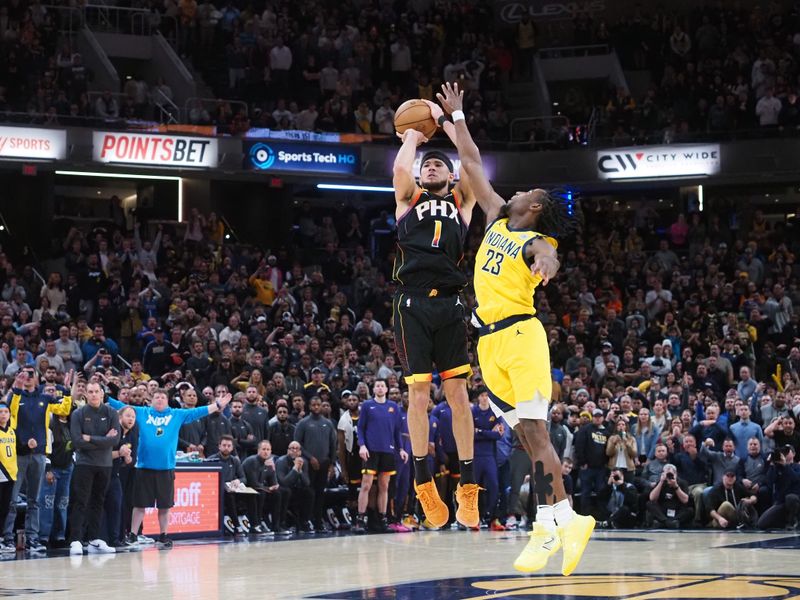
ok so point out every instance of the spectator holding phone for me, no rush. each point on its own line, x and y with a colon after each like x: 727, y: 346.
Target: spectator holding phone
x: 31, y: 409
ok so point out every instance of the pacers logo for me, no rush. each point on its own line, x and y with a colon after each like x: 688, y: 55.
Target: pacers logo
x: 262, y: 156
x: 594, y: 587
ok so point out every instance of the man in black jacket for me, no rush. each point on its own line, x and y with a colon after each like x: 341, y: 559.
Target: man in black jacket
x: 241, y: 430
x: 256, y: 416
x: 54, y: 497
x: 292, y: 471
x: 259, y: 472
x: 94, y: 429
x: 281, y: 433
x: 619, y: 502
x: 590, y: 458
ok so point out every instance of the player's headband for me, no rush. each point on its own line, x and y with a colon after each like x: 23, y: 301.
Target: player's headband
x: 440, y: 155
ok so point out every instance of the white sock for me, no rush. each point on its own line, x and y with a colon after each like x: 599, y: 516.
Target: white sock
x: 545, y: 516
x: 563, y: 512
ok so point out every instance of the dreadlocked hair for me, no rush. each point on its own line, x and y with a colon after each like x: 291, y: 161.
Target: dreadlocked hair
x: 559, y: 217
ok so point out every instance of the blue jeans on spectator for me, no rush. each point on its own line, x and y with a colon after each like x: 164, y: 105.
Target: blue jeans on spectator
x: 112, y: 511
x: 30, y: 471
x: 53, y: 502
x: 592, y: 479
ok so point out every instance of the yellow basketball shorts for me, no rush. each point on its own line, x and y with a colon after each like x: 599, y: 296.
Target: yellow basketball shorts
x: 515, y: 364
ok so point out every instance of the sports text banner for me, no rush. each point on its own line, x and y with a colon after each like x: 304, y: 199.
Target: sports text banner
x: 32, y: 143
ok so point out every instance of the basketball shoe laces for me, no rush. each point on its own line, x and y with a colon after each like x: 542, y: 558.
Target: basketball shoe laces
x: 470, y: 494
x: 426, y: 498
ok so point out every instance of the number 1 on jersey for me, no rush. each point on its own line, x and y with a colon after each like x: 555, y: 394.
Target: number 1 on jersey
x: 437, y: 233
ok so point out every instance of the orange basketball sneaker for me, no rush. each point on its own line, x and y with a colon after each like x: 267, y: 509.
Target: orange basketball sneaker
x: 468, y: 513
x: 435, y: 510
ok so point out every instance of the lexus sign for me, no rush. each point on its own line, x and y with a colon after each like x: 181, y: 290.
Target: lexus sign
x: 154, y: 149
x: 32, y: 143
x: 644, y: 162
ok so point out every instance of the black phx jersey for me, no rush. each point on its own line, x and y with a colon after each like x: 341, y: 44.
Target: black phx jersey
x: 430, y: 239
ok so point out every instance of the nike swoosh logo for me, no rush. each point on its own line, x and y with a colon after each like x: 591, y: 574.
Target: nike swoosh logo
x: 467, y: 462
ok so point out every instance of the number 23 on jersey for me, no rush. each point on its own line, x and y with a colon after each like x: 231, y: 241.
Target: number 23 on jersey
x: 493, y: 261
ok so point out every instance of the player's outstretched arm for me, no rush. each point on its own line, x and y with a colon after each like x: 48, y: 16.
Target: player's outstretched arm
x: 545, y: 258
x: 452, y: 101
x: 403, y: 172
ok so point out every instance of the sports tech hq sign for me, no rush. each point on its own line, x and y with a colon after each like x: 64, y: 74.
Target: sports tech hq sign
x: 646, y: 162
x: 272, y: 155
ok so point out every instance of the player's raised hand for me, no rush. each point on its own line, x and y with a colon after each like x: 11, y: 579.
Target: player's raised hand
x: 418, y: 137
x: 451, y: 97
x: 436, y: 110
x: 545, y: 266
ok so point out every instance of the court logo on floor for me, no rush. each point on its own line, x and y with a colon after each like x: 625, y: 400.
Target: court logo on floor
x: 588, y: 587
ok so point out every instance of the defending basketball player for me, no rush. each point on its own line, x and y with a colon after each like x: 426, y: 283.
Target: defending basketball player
x: 429, y: 315
x: 517, y: 254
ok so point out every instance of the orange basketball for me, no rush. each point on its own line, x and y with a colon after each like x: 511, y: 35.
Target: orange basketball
x: 415, y: 114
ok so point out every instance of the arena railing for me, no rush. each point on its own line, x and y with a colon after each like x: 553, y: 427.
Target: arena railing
x: 551, y: 121
x: 574, y: 51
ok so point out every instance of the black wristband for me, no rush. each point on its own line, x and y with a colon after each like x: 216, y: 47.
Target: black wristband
x: 442, y: 120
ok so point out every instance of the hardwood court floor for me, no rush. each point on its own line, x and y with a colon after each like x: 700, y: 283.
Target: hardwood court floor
x: 635, y: 565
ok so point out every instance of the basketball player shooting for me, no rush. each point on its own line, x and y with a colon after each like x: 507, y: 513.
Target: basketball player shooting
x: 429, y: 315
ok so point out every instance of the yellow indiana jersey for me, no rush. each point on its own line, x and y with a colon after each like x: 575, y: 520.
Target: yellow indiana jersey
x: 504, y: 285
x: 8, y: 454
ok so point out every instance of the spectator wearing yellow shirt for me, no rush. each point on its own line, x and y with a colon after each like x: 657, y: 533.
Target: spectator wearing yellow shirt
x: 263, y: 286
x: 137, y: 372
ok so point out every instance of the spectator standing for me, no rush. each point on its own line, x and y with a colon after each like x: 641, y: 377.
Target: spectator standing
x: 159, y: 426
x: 743, y: 430
x: 590, y: 457
x: 317, y: 436
x: 68, y: 349
x: 693, y: 471
x: 95, y: 431
x: 54, y: 496
x: 768, y: 109
x: 31, y: 410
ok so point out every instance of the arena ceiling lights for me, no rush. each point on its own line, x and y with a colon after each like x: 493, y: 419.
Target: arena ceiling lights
x: 178, y: 180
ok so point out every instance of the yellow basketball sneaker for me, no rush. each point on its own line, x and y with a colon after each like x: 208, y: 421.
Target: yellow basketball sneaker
x: 542, y: 545
x: 574, y: 539
x: 468, y: 513
x: 436, y: 511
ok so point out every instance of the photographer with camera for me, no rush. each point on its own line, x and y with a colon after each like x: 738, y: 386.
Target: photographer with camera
x: 668, y: 504
x: 621, y: 502
x: 783, y: 478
